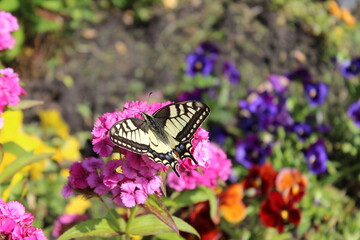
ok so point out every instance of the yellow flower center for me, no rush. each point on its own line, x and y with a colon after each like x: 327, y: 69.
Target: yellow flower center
x: 119, y: 170
x: 257, y: 182
x: 284, y: 214
x: 295, y: 189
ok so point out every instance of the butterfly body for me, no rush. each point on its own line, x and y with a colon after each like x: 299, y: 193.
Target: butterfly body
x: 164, y: 136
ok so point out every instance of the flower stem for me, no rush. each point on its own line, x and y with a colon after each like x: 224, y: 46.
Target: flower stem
x: 130, y: 220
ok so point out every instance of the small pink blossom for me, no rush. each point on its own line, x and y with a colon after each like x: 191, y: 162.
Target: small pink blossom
x: 7, y: 225
x: 132, y: 194
x: 8, y: 24
x: 15, y: 223
x: 219, y: 168
x: 10, y: 89
x: 6, y: 41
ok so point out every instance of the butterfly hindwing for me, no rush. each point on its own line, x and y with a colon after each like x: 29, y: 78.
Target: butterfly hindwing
x: 131, y: 134
x: 181, y: 120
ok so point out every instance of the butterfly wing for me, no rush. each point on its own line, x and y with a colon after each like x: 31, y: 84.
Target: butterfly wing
x: 181, y: 120
x: 131, y: 134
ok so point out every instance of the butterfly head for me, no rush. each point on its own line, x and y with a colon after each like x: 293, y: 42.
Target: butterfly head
x: 149, y: 119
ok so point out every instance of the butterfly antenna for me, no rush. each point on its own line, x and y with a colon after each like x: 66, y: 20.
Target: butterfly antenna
x: 150, y: 93
x: 174, y: 166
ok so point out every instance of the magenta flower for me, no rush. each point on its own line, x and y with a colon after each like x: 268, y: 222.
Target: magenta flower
x: 85, y: 176
x: 8, y: 24
x: 132, y: 180
x: 15, y: 223
x: 10, y: 89
x: 218, y: 167
x: 66, y: 221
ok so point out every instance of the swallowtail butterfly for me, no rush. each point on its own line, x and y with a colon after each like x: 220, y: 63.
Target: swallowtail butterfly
x: 164, y: 136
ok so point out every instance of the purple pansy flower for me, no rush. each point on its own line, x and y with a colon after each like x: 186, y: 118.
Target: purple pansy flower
x: 301, y: 74
x: 218, y: 134
x: 316, y: 93
x: 202, y: 60
x: 252, y: 151
x: 350, y: 68
x: 316, y: 157
x: 303, y: 130
x: 354, y: 112
x: 280, y: 83
x: 231, y: 72
x: 191, y: 95
x: 265, y: 111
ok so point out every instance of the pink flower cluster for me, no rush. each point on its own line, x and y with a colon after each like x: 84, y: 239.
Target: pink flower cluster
x: 10, y: 90
x: 8, y: 24
x: 218, y: 167
x: 15, y: 223
x: 130, y: 180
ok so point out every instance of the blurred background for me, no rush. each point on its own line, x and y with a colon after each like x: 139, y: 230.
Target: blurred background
x: 82, y: 59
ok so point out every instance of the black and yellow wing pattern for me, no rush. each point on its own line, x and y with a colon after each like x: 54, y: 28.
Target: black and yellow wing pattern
x: 164, y: 136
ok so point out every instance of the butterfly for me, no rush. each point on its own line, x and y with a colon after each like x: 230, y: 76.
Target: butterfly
x: 164, y: 136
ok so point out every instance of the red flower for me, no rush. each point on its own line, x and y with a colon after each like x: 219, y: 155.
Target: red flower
x: 200, y: 219
x: 274, y: 212
x: 261, y: 178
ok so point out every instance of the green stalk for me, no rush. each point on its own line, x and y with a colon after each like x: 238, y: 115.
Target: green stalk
x: 130, y: 220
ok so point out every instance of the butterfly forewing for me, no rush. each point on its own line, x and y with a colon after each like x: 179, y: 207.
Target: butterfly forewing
x: 131, y: 134
x: 181, y: 120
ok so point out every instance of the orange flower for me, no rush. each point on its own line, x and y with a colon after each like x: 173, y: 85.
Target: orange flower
x: 341, y: 13
x: 348, y: 18
x: 231, y: 206
x: 334, y: 9
x: 292, y: 184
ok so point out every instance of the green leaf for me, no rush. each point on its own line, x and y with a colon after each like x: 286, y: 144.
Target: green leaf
x: 150, y: 225
x: 155, y: 206
x: 25, y: 104
x: 46, y: 25
x: 210, y: 193
x: 23, y: 159
x: 9, y: 5
x: 13, y: 148
x: 188, y: 198
x: 95, y: 227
